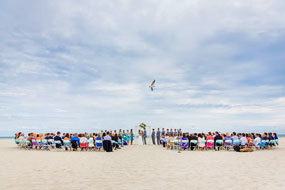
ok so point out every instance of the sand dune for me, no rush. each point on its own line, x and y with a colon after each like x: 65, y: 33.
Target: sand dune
x: 141, y: 167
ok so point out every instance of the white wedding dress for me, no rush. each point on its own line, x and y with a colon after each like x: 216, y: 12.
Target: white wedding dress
x: 140, y: 142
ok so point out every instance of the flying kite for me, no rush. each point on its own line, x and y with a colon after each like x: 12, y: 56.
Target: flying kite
x: 152, y: 85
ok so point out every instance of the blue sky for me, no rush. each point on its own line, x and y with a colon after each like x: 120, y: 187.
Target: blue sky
x: 85, y: 66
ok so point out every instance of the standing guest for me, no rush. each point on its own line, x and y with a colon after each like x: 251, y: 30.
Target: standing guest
x: 128, y: 137
x: 144, y: 136
x: 125, y: 142
x: 132, y: 136
x: 162, y: 132
x: 175, y: 132
x: 171, y: 132
x: 167, y: 132
x: 180, y: 131
x: 153, y: 136
x: 107, y: 143
x: 58, y: 140
x: 63, y: 136
x: 158, y: 136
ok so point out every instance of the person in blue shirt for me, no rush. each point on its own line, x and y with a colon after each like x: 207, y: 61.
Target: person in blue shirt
x: 75, y: 141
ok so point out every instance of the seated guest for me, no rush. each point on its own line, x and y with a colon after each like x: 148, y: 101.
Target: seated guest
x: 170, y: 142
x: 115, y: 140
x: 107, y: 143
x: 218, y: 141
x: 257, y: 141
x: 201, y: 142
x: 83, y: 142
x: 66, y: 141
x: 228, y: 141
x: 99, y: 142
x: 58, y: 140
x: 184, y: 142
x: 243, y: 140
x: 250, y: 140
x: 75, y: 141
x: 193, y: 141
x: 275, y: 138
x: 91, y: 142
x: 210, y: 141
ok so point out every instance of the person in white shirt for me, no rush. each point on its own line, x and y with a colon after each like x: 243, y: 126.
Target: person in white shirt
x: 257, y: 141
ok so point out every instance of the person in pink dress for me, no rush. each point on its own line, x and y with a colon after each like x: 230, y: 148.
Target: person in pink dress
x: 210, y: 141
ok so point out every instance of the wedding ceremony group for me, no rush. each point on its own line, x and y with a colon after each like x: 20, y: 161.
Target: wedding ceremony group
x: 171, y: 139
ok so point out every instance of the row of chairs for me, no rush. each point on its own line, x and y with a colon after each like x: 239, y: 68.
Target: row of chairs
x: 222, y: 144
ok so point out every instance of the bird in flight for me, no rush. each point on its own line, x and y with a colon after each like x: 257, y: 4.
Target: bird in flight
x: 152, y: 85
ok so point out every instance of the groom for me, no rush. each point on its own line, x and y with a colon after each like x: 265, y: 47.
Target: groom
x: 144, y: 136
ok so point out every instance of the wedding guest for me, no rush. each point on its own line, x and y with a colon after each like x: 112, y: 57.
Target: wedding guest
x: 167, y: 132
x: 201, y: 142
x: 107, y: 143
x: 67, y: 142
x: 58, y: 140
x: 218, y: 141
x: 275, y: 138
x: 75, y: 141
x: 228, y: 141
x: 158, y: 133
x: 193, y: 141
x: 243, y: 140
x: 184, y: 142
x: 210, y: 141
x: 257, y: 141
x: 91, y: 142
x: 132, y: 136
x: 170, y: 142
x: 99, y: 142
x: 153, y: 136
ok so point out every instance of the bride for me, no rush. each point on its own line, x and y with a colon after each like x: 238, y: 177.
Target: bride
x: 140, y: 142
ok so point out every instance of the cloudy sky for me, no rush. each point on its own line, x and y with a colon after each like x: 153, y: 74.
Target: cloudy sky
x: 84, y: 66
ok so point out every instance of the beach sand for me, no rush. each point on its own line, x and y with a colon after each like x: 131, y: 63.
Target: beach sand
x: 141, y: 167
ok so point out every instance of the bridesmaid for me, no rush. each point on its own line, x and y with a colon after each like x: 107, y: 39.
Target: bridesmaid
x: 132, y: 136
x: 128, y: 137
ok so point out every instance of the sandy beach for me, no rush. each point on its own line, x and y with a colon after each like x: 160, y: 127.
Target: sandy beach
x: 141, y: 167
